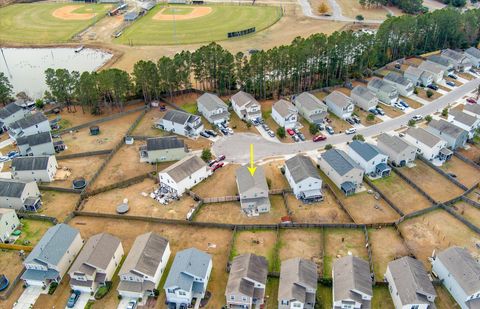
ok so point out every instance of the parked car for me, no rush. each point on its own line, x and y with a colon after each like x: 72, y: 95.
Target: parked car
x: 330, y: 130
x: 4, y: 159
x: 163, y: 108
x: 301, y: 136
x: 204, y: 134
x: 373, y: 111
x: 350, y: 131
x: 433, y: 87
x: 73, y: 299
x: 271, y: 133
x: 471, y: 101
x: 472, y: 70
x: 224, y: 131
x: 290, y: 132
x: 350, y: 120
x: 450, y: 83
x: 295, y: 138
x: 399, y: 106
x: 221, y: 158
x: 356, y: 119
x: 255, y: 122
x: 217, y: 166
x: 321, y: 126
x: 417, y: 117
x: 319, y: 138
x: 404, y: 104
x: 212, y: 162
x: 451, y: 75
x: 230, y: 130
x: 380, y: 111
x: 297, y: 131
x: 13, y: 154
x: 132, y: 304
x: 211, y: 133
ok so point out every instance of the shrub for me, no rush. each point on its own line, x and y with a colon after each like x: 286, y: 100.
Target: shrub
x: 370, y: 117
x: 445, y: 112
x: 119, y: 297
x: 206, y: 154
x: 51, y: 289
x: 429, y: 93
x: 281, y: 132
x: 415, y: 90
x: 249, y: 124
x: 359, y: 17
x: 411, y: 123
x: 39, y: 103
x: 328, y: 146
x: 428, y: 118
x: 358, y: 137
x: 103, y: 290
x: 313, y: 128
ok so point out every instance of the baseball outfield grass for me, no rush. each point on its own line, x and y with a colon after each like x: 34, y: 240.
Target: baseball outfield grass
x: 35, y: 23
x: 213, y: 26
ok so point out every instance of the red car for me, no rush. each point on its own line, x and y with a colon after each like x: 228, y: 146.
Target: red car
x: 319, y: 137
x: 217, y: 166
x: 472, y: 101
x: 290, y: 132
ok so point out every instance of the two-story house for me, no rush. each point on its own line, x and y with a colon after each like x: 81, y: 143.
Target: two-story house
x: 364, y: 98
x: 298, y: 284
x: 386, y: 93
x: 285, y: 114
x: 428, y: 145
x: 444, y: 63
x: 455, y: 137
x: 404, y: 86
x: 310, y: 107
x: 19, y: 195
x: 11, y: 113
x: 418, y: 76
x: 437, y: 71
x: 465, y: 121
x: 370, y: 158
x: 472, y: 109
x: 163, y: 149
x: 339, y: 104
x: 8, y: 223
x: 398, y: 150
x: 352, y: 283
x: 245, y: 106
x: 39, y: 169
x: 180, y: 122
x: 303, y: 178
x: 473, y: 54
x: 213, y: 108
x: 459, y: 60
x: 253, y: 190
x: 36, y: 145
x: 29, y: 125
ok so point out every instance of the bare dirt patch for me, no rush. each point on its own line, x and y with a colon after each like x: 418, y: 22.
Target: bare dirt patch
x: 390, y: 111
x: 412, y: 103
x: 32, y: 231
x: 467, y: 211
x: 306, y: 244
x: 84, y: 167
x: 195, y: 13
x: 67, y: 13
x: 466, y: 174
x: 473, y: 152
x: 257, y: 242
x: 444, y: 300
x: 326, y: 211
x: 58, y: 204
x: 10, y: 264
x: 146, y: 126
x: 221, y: 183
x: 274, y: 176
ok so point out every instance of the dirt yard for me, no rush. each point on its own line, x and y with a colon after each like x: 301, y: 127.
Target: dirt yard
x: 466, y: 174
x: 327, y: 211
x: 470, y: 213
x: 338, y: 125
x: 146, y: 126
x: 58, y: 204
x: 391, y: 111
x: 352, y: 8
x: 422, y: 93
x: 444, y: 300
x: 402, y: 194
x: 363, y: 117
x: 306, y: 244
x: 473, y: 152
x: 413, y: 104
x: 10, y: 264
x: 475, y: 195
x: 84, y: 167
x: 259, y: 242
x: 240, y: 126
x: 274, y: 175
x: 221, y: 183
x: 32, y: 231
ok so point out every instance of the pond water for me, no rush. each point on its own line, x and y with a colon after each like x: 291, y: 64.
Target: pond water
x: 25, y: 67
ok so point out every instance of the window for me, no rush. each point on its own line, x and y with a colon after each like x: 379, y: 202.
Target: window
x: 232, y: 297
x: 182, y: 293
x: 284, y: 302
x: 415, y: 307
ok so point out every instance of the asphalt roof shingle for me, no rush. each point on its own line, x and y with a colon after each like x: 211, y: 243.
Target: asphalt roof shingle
x: 179, y: 117
x: 246, y: 181
x: 242, y: 98
x: 473, y: 108
x: 395, y: 143
x: 309, y: 102
x: 397, y: 78
x: 189, y: 262
x: 301, y: 167
x: 284, y: 108
x: 339, y: 161
x: 472, y: 51
x: 363, y: 92
x: 185, y: 167
x: 365, y: 150
x: 245, y: 268
x: 161, y: 143
x: 211, y: 102
x: 351, y: 274
x: 423, y: 136
x: 12, y: 188
x: 339, y: 99
x: 30, y: 163
x: 35, y: 139
x: 9, y: 110
x: 296, y: 276
x: 446, y: 128
x: 32, y: 120
x: 464, y: 118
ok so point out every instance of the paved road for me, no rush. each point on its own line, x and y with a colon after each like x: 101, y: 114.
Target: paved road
x: 236, y: 147
x: 337, y: 14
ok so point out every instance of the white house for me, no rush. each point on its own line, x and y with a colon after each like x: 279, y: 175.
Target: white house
x: 370, y: 158
x: 188, y: 277
x: 473, y: 54
x: 36, y: 145
x: 143, y: 268
x: 428, y: 145
x: 213, y: 108
x: 459, y: 60
x: 298, y: 284
x: 339, y: 104
x: 285, y: 114
x: 455, y: 136
x: 29, y: 125
x: 444, y: 63
x: 11, y: 113
x: 303, y: 178
x: 460, y: 275
x: 183, y: 175
x: 181, y: 123
x: 8, y: 223
x: 385, y: 92
x: 19, y: 195
x: 163, y: 149
x: 352, y: 283
x: 363, y: 98
x: 434, y: 69
x: 39, y: 169
x: 404, y: 86
x: 252, y: 190
x: 472, y: 109
x: 96, y: 263
x: 399, y: 151
x: 245, y: 106
x: 310, y: 107
x: 52, y: 256
x: 418, y: 76
x: 465, y: 121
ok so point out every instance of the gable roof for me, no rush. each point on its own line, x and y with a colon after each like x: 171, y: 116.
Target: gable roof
x: 378, y: 84
x: 189, y: 262
x: 245, y: 180
x: 284, y: 108
x: 31, y: 120
x: 363, y: 92
x: 35, y: 139
x: 474, y: 52
x: 211, y: 101
x: 446, y: 128
x: 365, y: 150
x: 339, y: 99
x: 395, y: 143
x: 161, y: 143
x: 473, y: 108
x: 296, y: 275
x: 439, y: 59
x: 301, y: 168
x: 246, y: 268
x: 242, y: 98
x: 4, y: 211
x: 423, y: 136
x: 339, y: 161
x: 30, y: 163
x: 9, y: 110
x: 97, y: 252
x: 431, y: 67
x: 12, y: 188
x: 309, y: 102
x: 464, y: 118
x: 185, y: 167
x: 397, y: 78
x: 179, y: 117
x: 351, y: 273
x: 452, y: 54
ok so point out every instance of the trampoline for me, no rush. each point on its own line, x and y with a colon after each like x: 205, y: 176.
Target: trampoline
x: 4, y: 282
x: 123, y: 208
x: 94, y: 130
x: 79, y: 183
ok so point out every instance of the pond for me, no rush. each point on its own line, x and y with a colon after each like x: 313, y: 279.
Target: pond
x: 25, y: 67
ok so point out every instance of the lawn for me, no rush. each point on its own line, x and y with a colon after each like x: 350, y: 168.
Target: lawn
x: 190, y: 108
x: 261, y: 243
x: 32, y: 231
x: 381, y: 298
x: 466, y: 174
x: 305, y: 244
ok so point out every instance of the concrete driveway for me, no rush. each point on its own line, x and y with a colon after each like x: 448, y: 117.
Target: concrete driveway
x: 81, y: 301
x: 29, y: 297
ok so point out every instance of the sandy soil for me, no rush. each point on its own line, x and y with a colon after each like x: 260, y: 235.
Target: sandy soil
x: 327, y: 211
x: 475, y: 195
x: 413, y: 104
x: 147, y: 124
x: 306, y: 244
x: 79, y: 167
x: 466, y: 174
x: 273, y: 173
x: 352, y: 8
x: 58, y: 204
x: 257, y: 242
x: 470, y: 213
x: 221, y: 183
x: 10, y: 263
x: 391, y: 111
x: 473, y: 153
x: 195, y: 13
x: 67, y: 13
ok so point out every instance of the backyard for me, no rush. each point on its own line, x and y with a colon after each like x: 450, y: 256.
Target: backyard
x: 464, y: 172
x: 259, y: 242
x: 58, y: 204
x: 84, y: 167
x: 32, y: 231
x: 305, y: 244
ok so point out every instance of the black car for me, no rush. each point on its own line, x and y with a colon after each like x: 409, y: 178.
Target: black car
x: 224, y: 131
x: 211, y: 133
x: 433, y: 87
x: 204, y: 134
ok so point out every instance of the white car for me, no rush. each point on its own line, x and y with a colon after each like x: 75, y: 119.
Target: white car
x: 230, y: 130
x: 4, y: 159
x: 399, y: 106
x: 417, y: 117
x: 350, y: 131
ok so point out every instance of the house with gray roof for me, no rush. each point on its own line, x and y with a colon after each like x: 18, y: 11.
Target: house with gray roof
x: 342, y: 170
x: 298, y: 284
x: 473, y: 54
x: 472, y: 109
x: 180, y: 122
x: 428, y: 145
x: 459, y: 60
x: 303, y: 178
x: 163, y: 149
x: 143, y: 268
x: 285, y: 114
x: 352, y: 283
x: 370, y: 158
x: 19, y: 195
x: 39, y: 169
x: 29, y: 125
x: 8, y: 223
x: 464, y: 121
x: 253, y: 190
x: 213, y: 108
x: 310, y: 107
x: 418, y: 76
x: 339, y: 104
x: 188, y: 278
x: 52, y: 256
x: 404, y: 85
x: 460, y: 275
x: 11, y: 113
x: 36, y: 145
x: 455, y: 137
x: 397, y: 149
x: 246, y: 281
x: 385, y: 92
x: 409, y: 284
x: 97, y: 262
x: 246, y: 107
x: 437, y: 71
x: 364, y: 98
x: 442, y: 62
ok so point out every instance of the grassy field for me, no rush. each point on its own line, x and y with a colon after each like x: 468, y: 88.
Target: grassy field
x: 34, y: 23
x: 211, y: 27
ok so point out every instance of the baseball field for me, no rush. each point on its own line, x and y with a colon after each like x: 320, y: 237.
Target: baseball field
x: 47, y: 22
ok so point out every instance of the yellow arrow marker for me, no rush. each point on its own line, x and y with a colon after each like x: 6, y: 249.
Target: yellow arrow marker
x: 252, y: 168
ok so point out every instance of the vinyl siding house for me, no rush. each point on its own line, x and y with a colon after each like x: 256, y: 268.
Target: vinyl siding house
x: 352, y: 283
x: 428, y: 145
x: 339, y: 104
x: 363, y: 98
x: 188, y: 277
x: 183, y: 175
x: 19, y: 195
x: 437, y: 71
x: 459, y: 60
x: 246, y: 281
x: 285, y: 114
x: 455, y: 136
x: 399, y: 151
x: 303, y: 177
x: 8, y: 223
x: 460, y: 275
x: 472, y: 109
x: 253, y: 190
x: 11, y: 113
x: 464, y: 121
x: 213, y: 108
x: 96, y: 263
x: 404, y: 86
x: 52, y: 256
x: 36, y: 145
x: 39, y: 169
x: 144, y: 266
x: 385, y: 92
x: 409, y: 284
x: 310, y: 107
x: 473, y: 54
x: 342, y: 170
x: 245, y: 106
x: 298, y: 284
x: 370, y: 158
x: 181, y: 123
x: 163, y: 149
x: 442, y: 62
x: 29, y: 125
x: 418, y: 76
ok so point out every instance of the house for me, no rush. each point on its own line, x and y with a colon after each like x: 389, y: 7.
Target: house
x: 339, y: 104
x: 96, y: 263
x: 302, y: 175
x: 399, y: 151
x: 246, y: 281
x: 11, y: 113
x: 298, y: 284
x: 342, y: 170
x: 19, y: 195
x: 245, y: 106
x: 181, y: 123
x: 385, y: 92
x: 460, y: 275
x: 310, y: 107
x: 8, y: 223
x: 418, y: 76
x: 370, y: 158
x: 253, y: 190
x: 363, y: 98
x: 404, y: 86
x: 473, y: 54
x: 29, y: 125
x: 213, y: 108
x: 163, y: 149
x: 459, y: 60
x: 143, y: 268
x: 352, y: 283
x: 437, y: 71
x: 188, y: 277
x: 464, y: 121
x: 472, y: 109
x: 285, y: 114
x: 183, y: 175
x: 409, y: 284
x: 52, y: 256
x: 455, y: 136
x: 36, y: 145
x: 444, y: 63
x: 428, y: 145
x: 39, y: 169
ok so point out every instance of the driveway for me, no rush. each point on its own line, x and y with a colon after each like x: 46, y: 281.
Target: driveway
x: 82, y: 300
x: 29, y: 297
